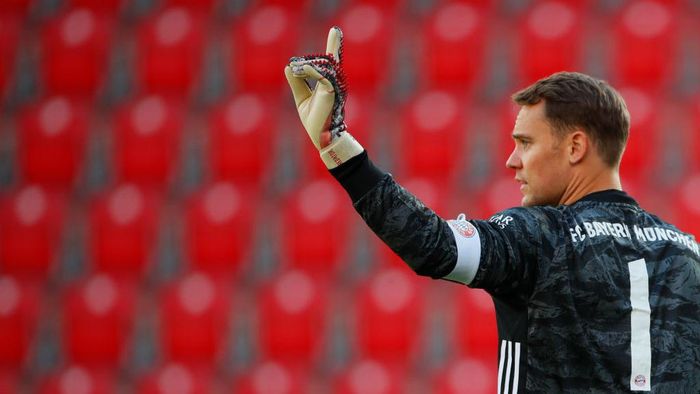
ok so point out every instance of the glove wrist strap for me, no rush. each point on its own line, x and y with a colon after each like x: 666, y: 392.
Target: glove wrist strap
x: 342, y: 149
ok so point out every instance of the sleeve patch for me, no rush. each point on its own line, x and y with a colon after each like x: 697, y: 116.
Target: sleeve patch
x: 468, y: 251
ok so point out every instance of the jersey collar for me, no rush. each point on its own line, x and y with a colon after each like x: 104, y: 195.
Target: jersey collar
x: 610, y: 195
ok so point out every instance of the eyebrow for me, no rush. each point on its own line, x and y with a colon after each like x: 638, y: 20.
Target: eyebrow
x: 521, y: 137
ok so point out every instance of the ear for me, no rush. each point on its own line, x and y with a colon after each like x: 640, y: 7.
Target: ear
x: 579, y: 144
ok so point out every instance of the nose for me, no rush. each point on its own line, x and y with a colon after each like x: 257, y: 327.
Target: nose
x: 513, y: 161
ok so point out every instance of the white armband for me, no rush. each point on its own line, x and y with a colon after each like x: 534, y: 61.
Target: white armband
x: 468, y: 250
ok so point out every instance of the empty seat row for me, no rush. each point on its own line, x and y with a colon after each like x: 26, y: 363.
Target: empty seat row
x: 433, y: 138
x: 461, y: 375
x: 216, y: 226
x: 171, y: 44
x: 196, y: 315
x: 146, y: 134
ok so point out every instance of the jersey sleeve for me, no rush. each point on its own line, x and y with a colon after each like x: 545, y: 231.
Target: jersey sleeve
x: 413, y: 231
x: 511, y: 247
x: 498, y: 255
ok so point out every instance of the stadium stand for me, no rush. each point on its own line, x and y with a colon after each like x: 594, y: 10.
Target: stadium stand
x: 214, y: 218
x: 270, y: 377
x: 307, y: 213
x: 165, y: 227
x: 454, y: 25
x: 389, y: 316
x: 123, y: 231
x: 33, y: 221
x: 77, y: 379
x: 74, y: 53
x: 194, y: 317
x: 97, y: 321
x: 370, y: 375
x: 236, y: 127
x: 169, y: 52
x: 146, y: 140
x: 175, y: 377
x: 19, y: 314
x: 291, y: 318
x: 52, y: 135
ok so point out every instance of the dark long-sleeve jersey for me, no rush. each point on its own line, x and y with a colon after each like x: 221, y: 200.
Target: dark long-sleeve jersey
x: 596, y: 296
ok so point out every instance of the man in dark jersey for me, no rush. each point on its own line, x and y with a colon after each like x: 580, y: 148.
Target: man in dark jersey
x: 592, y: 293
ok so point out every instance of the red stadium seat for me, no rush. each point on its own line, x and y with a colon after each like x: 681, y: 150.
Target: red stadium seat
x: 194, y: 318
x: 219, y: 228
x: 30, y: 235
x: 170, y: 52
x: 454, y: 39
x: 262, y: 43
x: 175, y: 378
x: 367, y: 44
x: 642, y: 154
x: 645, y: 49
x: 291, y: 318
x: 19, y: 312
x: 432, y: 136
x: 691, y: 135
x: 550, y: 40
x: 204, y: 7
x: 147, y: 137
x: 78, y: 379
x: 51, y: 136
x: 307, y: 215
x: 9, y: 383
x: 122, y: 232
x: 370, y: 376
x: 17, y: 7
x: 466, y: 376
x: 241, y: 135
x: 434, y: 197
x: 475, y: 326
x: 98, y: 317
x: 270, y: 377
x: 389, y: 314
x: 388, y: 6
x: 686, y: 205
x: 485, y: 5
x: 9, y: 42
x: 110, y: 8
x: 74, y: 53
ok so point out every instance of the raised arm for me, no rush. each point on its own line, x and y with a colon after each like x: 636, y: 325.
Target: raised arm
x: 430, y: 245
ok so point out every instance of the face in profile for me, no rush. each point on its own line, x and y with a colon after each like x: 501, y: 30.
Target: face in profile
x: 539, y: 158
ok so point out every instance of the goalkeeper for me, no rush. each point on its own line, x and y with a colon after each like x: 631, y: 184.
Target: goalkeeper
x: 592, y: 293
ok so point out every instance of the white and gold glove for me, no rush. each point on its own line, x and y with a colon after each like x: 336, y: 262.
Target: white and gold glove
x: 322, y: 110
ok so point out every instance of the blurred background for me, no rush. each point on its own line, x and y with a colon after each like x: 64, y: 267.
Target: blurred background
x: 166, y: 227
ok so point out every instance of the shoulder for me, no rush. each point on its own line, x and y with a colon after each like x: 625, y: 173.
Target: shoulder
x: 533, y: 218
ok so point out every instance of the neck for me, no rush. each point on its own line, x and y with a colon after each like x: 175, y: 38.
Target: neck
x: 584, y: 183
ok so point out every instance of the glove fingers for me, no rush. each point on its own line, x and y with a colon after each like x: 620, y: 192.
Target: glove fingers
x: 323, y: 83
x: 334, y: 42
x: 300, y: 90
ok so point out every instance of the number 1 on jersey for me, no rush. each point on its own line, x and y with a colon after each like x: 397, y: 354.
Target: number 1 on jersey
x: 640, y: 322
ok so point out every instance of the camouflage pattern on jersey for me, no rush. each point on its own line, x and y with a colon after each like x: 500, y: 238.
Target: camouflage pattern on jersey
x: 413, y: 231
x: 568, y: 267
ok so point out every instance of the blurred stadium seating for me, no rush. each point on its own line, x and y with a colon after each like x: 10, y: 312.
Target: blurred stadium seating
x: 165, y: 226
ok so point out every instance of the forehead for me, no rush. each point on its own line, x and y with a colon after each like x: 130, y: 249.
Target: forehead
x: 531, y: 121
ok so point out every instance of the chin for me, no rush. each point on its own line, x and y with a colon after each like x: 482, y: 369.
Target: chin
x: 525, y: 201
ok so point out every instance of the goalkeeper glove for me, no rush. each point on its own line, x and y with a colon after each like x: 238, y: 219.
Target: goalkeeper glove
x: 322, y: 110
